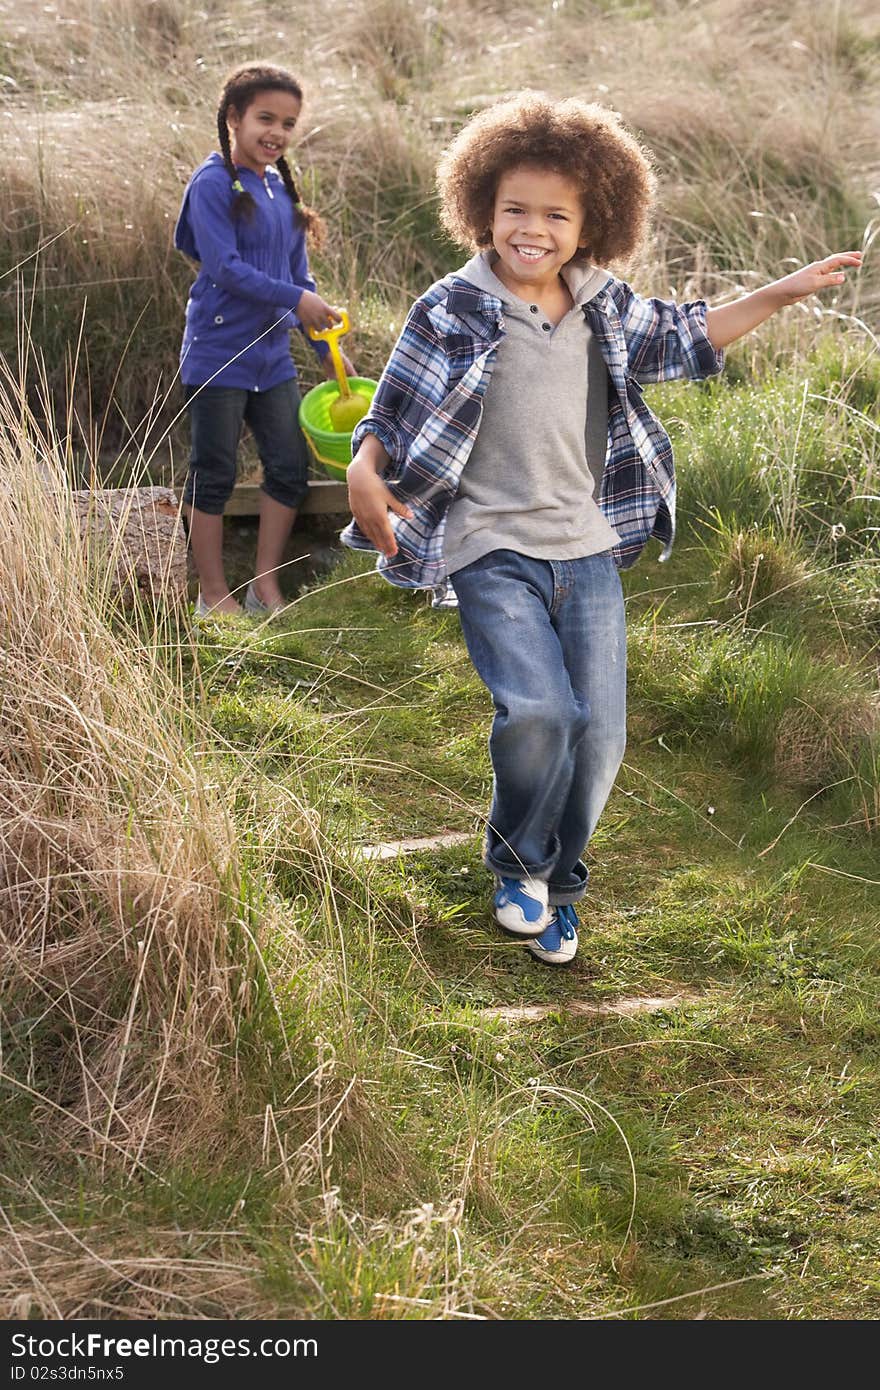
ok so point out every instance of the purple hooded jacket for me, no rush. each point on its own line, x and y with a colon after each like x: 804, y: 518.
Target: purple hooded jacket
x: 253, y: 271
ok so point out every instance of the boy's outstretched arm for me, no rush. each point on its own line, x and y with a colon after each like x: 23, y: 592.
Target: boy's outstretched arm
x: 731, y: 321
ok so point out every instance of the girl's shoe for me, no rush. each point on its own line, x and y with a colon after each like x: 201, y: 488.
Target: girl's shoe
x: 558, y: 944
x: 521, y: 906
x: 255, y: 606
x: 202, y: 610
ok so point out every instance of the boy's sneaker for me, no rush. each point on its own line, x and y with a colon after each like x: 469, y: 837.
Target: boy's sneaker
x: 558, y: 944
x: 521, y: 906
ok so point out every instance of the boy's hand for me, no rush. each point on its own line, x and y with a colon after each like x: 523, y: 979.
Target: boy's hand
x: 313, y: 312
x: 371, y: 500
x: 819, y: 275
x: 731, y: 321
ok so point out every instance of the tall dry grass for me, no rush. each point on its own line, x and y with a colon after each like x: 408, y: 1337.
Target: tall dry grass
x: 128, y: 959
x: 158, y: 1010
x: 763, y: 119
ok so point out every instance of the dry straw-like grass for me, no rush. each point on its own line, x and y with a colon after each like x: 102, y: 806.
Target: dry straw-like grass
x: 139, y: 1016
x: 763, y: 121
x: 813, y: 745
x: 127, y: 964
x: 50, y: 1270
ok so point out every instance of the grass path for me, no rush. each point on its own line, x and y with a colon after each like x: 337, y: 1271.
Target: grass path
x: 397, y: 1112
x: 599, y: 1156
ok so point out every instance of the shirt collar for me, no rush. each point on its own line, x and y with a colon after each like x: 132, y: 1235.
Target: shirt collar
x: 585, y: 282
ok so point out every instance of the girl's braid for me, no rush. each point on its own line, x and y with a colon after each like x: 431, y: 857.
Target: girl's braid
x: 244, y: 203
x: 306, y: 217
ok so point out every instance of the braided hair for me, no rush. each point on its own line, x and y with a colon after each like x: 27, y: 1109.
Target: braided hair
x: 239, y: 90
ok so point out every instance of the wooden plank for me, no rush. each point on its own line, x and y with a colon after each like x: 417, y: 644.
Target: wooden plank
x: 324, y: 498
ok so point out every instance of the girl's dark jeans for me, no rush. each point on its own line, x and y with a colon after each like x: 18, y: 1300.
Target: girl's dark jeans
x: 216, y: 415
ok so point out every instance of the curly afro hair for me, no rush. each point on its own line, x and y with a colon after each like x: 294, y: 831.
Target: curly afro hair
x: 585, y: 142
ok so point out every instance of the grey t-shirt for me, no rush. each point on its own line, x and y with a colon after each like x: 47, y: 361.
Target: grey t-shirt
x: 527, y: 485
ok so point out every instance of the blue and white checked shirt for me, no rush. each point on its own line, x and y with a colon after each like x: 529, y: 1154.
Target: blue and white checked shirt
x: 427, y: 409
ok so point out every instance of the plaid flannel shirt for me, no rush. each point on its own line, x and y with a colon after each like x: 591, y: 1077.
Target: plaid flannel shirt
x: 427, y: 408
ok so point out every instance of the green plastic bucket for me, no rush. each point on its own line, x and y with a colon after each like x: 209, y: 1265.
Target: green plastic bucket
x: 331, y: 450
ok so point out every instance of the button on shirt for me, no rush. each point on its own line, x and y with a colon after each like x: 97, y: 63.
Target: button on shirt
x: 527, y: 485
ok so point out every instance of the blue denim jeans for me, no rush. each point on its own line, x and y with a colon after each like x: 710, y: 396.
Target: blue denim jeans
x: 547, y: 638
x: 216, y: 415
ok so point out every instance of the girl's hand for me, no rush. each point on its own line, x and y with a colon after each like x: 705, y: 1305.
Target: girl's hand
x: 328, y: 369
x: 313, y: 312
x: 819, y: 275
x: 370, y: 501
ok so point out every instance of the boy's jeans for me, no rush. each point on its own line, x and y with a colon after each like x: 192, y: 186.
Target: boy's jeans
x: 547, y: 638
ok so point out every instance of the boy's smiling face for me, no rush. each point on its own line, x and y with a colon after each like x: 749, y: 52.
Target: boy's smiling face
x: 537, y: 226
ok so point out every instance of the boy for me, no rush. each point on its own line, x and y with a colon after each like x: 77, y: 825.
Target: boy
x: 510, y: 404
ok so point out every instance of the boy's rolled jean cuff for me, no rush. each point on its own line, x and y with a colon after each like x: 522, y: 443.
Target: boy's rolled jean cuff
x: 562, y: 895
x: 558, y: 894
x: 502, y: 861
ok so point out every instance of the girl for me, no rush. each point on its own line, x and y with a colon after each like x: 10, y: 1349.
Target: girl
x: 243, y: 221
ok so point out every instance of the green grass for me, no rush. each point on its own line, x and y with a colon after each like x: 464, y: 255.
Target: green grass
x: 484, y: 1164
x: 391, y: 1144
x: 385, y: 1140
x: 797, y: 451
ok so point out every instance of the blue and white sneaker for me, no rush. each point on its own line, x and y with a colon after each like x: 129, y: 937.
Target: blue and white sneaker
x: 558, y: 944
x: 521, y: 906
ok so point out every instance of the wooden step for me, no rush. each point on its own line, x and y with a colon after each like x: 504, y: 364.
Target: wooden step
x: 324, y: 498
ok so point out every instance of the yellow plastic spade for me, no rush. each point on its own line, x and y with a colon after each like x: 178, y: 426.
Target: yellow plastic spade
x: 349, y: 406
